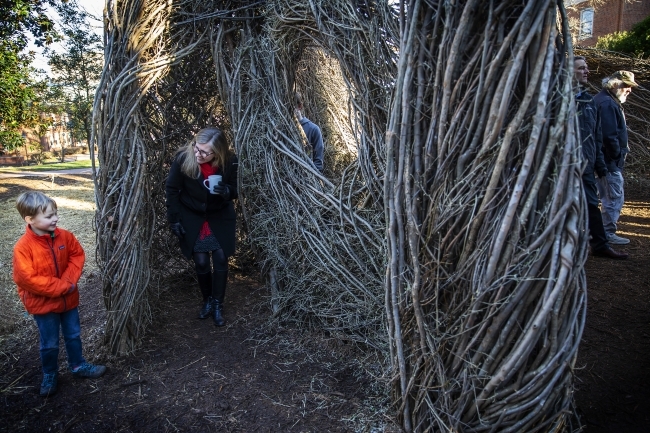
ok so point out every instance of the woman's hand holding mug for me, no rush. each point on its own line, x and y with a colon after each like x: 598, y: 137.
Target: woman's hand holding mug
x: 222, y: 190
x: 211, y: 182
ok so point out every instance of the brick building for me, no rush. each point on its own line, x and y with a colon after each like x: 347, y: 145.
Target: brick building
x: 593, y: 19
x: 55, y: 137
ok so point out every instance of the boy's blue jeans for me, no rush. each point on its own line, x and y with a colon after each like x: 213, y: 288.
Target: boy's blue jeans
x: 48, y: 328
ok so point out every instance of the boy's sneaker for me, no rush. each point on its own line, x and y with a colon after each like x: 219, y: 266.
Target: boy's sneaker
x: 89, y: 371
x: 617, y: 240
x: 48, y: 386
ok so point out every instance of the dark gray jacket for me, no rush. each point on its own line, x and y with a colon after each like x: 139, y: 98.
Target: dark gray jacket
x: 612, y: 120
x: 591, y: 137
x: 315, y: 138
x: 190, y: 203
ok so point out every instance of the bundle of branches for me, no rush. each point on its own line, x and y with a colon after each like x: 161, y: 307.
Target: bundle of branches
x: 449, y: 214
x: 320, y: 240
x: 146, y: 105
x: 637, y: 107
x: 486, y: 236
x: 196, y: 63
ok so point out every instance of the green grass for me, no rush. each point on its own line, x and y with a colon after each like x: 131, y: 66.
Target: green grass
x: 51, y: 166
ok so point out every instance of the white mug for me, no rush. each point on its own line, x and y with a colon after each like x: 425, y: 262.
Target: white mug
x: 212, y: 181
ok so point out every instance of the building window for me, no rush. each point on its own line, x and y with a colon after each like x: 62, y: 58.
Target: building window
x: 586, y: 23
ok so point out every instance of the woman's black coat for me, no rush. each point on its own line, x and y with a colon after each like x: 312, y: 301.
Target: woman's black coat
x: 190, y: 203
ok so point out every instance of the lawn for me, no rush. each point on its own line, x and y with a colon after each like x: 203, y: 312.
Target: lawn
x: 52, y: 165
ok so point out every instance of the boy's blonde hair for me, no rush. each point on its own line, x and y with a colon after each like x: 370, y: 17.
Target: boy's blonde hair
x: 32, y: 203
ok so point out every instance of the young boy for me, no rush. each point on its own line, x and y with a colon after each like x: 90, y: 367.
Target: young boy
x: 47, y: 265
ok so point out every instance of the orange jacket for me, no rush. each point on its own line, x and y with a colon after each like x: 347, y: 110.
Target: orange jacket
x: 47, y: 269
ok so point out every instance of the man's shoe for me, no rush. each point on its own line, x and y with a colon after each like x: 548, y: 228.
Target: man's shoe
x: 88, y: 371
x: 617, y: 240
x: 48, y: 386
x: 206, y: 311
x: 609, y: 253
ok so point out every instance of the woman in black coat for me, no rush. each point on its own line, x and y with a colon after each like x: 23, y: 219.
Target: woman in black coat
x: 204, y: 219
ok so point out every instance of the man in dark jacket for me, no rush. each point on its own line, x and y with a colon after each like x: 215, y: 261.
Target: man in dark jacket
x: 616, y: 88
x: 312, y: 131
x: 591, y: 137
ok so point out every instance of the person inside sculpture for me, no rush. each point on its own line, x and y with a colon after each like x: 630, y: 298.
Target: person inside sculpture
x: 312, y: 131
x: 200, y: 190
x: 616, y: 89
x: 592, y: 141
x: 47, y: 265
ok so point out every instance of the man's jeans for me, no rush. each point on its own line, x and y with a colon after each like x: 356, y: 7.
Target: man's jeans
x: 48, y: 328
x: 610, y: 189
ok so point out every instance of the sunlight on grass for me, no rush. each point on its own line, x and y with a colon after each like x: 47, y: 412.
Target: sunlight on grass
x: 635, y: 209
x: 84, y: 163
x: 639, y: 226
x: 631, y: 234
x: 62, y: 202
x: 75, y: 199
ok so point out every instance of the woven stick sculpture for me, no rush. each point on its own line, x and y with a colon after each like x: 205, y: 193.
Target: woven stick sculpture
x: 320, y: 240
x: 446, y: 235
x: 122, y: 183
x: 132, y: 136
x: 485, y: 221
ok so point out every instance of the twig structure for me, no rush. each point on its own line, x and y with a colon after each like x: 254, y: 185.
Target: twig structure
x: 447, y: 232
x: 486, y: 241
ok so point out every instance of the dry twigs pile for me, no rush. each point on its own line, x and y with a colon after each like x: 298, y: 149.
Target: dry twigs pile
x: 447, y: 230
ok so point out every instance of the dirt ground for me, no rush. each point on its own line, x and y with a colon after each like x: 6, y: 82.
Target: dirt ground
x: 249, y: 377
x: 613, y: 376
x: 189, y: 375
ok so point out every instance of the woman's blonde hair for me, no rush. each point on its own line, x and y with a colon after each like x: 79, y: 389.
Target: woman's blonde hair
x: 218, y: 145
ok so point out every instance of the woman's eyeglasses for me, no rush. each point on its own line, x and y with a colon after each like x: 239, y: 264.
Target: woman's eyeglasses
x: 202, y: 153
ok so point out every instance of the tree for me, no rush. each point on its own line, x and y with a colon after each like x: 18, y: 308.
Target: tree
x: 635, y: 42
x: 76, y: 70
x: 19, y: 90
x: 19, y: 18
x: 19, y: 95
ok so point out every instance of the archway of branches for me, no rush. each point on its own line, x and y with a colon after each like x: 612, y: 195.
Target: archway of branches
x: 447, y: 233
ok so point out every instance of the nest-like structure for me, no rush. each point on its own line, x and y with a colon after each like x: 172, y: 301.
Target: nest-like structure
x: 448, y: 230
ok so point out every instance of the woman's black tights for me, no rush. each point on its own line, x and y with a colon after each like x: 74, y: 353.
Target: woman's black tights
x: 212, y: 279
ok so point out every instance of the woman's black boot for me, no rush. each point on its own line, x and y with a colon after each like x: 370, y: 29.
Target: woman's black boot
x: 205, y: 284
x: 218, y: 292
x: 206, y: 310
x: 217, y: 313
